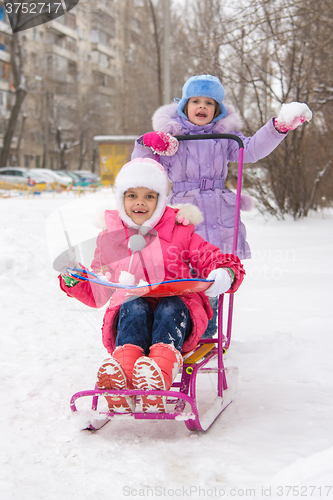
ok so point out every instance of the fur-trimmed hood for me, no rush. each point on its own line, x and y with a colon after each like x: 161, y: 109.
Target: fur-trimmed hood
x: 166, y: 119
x: 186, y: 211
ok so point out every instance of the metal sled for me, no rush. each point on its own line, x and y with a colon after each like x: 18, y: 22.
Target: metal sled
x: 190, y: 399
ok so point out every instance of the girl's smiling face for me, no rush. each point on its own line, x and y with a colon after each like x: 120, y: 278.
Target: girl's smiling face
x: 200, y: 110
x: 140, y: 203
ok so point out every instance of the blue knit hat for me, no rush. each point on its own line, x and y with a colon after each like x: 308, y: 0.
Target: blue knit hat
x: 206, y: 86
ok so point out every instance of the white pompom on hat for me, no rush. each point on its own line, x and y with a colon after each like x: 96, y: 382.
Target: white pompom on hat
x: 147, y: 173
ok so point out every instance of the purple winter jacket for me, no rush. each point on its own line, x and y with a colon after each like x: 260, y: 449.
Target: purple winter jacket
x: 197, y: 160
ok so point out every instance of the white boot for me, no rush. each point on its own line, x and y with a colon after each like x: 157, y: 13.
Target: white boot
x: 156, y: 372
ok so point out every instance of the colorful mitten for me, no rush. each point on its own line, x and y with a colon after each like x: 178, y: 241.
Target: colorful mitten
x: 291, y: 116
x: 161, y: 143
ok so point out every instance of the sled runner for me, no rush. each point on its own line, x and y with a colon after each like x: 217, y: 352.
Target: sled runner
x: 196, y: 400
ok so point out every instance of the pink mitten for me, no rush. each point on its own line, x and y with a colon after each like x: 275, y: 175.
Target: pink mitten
x: 291, y: 116
x: 161, y: 143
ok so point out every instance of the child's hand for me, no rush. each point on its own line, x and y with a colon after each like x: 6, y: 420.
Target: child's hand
x: 291, y: 116
x: 222, y: 282
x: 161, y: 143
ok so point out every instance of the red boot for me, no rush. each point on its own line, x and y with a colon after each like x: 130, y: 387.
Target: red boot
x: 116, y: 373
x: 127, y: 355
x: 156, y: 372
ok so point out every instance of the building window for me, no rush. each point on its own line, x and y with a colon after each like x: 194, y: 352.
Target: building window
x: 72, y: 68
x: 35, y: 60
x: 70, y: 44
x: 3, y: 99
x: 27, y: 161
x: 37, y: 161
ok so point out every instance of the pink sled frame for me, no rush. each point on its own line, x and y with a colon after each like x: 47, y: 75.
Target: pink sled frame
x: 186, y: 393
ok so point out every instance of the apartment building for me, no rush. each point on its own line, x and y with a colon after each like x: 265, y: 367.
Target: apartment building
x: 72, y: 66
x: 6, y: 97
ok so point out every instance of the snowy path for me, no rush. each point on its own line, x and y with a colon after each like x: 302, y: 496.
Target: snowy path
x: 277, y: 433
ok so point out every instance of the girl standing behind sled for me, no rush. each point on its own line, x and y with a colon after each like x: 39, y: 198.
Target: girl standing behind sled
x: 146, y: 240
x: 198, y: 169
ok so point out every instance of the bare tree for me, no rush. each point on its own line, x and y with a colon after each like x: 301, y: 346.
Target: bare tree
x: 141, y: 85
x: 287, y: 64
x: 94, y: 117
x: 20, y: 91
x: 268, y: 52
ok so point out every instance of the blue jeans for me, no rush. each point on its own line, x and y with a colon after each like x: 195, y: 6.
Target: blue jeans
x: 212, y: 323
x: 169, y: 323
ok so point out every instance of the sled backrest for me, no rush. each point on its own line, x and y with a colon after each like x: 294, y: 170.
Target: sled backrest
x: 240, y: 143
x: 233, y: 137
x: 224, y: 340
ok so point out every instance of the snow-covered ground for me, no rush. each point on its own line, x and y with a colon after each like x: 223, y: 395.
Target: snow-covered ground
x: 274, y: 441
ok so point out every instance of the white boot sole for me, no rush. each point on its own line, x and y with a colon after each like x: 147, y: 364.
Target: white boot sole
x: 147, y: 375
x: 112, y: 377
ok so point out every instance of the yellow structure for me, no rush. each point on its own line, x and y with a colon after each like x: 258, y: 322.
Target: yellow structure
x: 114, y: 152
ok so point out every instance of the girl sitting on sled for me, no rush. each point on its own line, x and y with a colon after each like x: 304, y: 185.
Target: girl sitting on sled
x: 147, y: 241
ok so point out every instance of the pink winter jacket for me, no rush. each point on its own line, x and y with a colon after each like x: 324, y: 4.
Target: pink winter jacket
x: 170, y: 248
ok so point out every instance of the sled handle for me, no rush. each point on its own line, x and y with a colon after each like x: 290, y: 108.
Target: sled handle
x: 199, y: 137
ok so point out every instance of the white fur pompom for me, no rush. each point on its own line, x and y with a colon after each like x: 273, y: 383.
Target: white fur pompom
x: 190, y: 212
x: 136, y: 243
x: 99, y: 218
x: 126, y: 278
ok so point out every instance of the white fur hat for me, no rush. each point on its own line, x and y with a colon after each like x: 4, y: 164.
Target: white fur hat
x: 142, y: 172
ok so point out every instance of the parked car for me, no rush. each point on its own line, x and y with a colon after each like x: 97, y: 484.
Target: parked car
x: 68, y: 173
x: 20, y: 175
x: 51, y: 176
x: 88, y: 177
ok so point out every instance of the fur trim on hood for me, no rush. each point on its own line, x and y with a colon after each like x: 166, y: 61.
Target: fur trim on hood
x: 142, y: 172
x: 166, y: 119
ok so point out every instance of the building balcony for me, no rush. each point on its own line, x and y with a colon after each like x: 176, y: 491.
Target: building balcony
x: 109, y: 9
x: 100, y: 69
x: 13, y: 144
x: 104, y: 90
x: 60, y: 76
x: 61, y: 28
x: 5, y: 28
x: 4, y: 56
x: 103, y: 49
x: 60, y: 51
x: 4, y: 85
